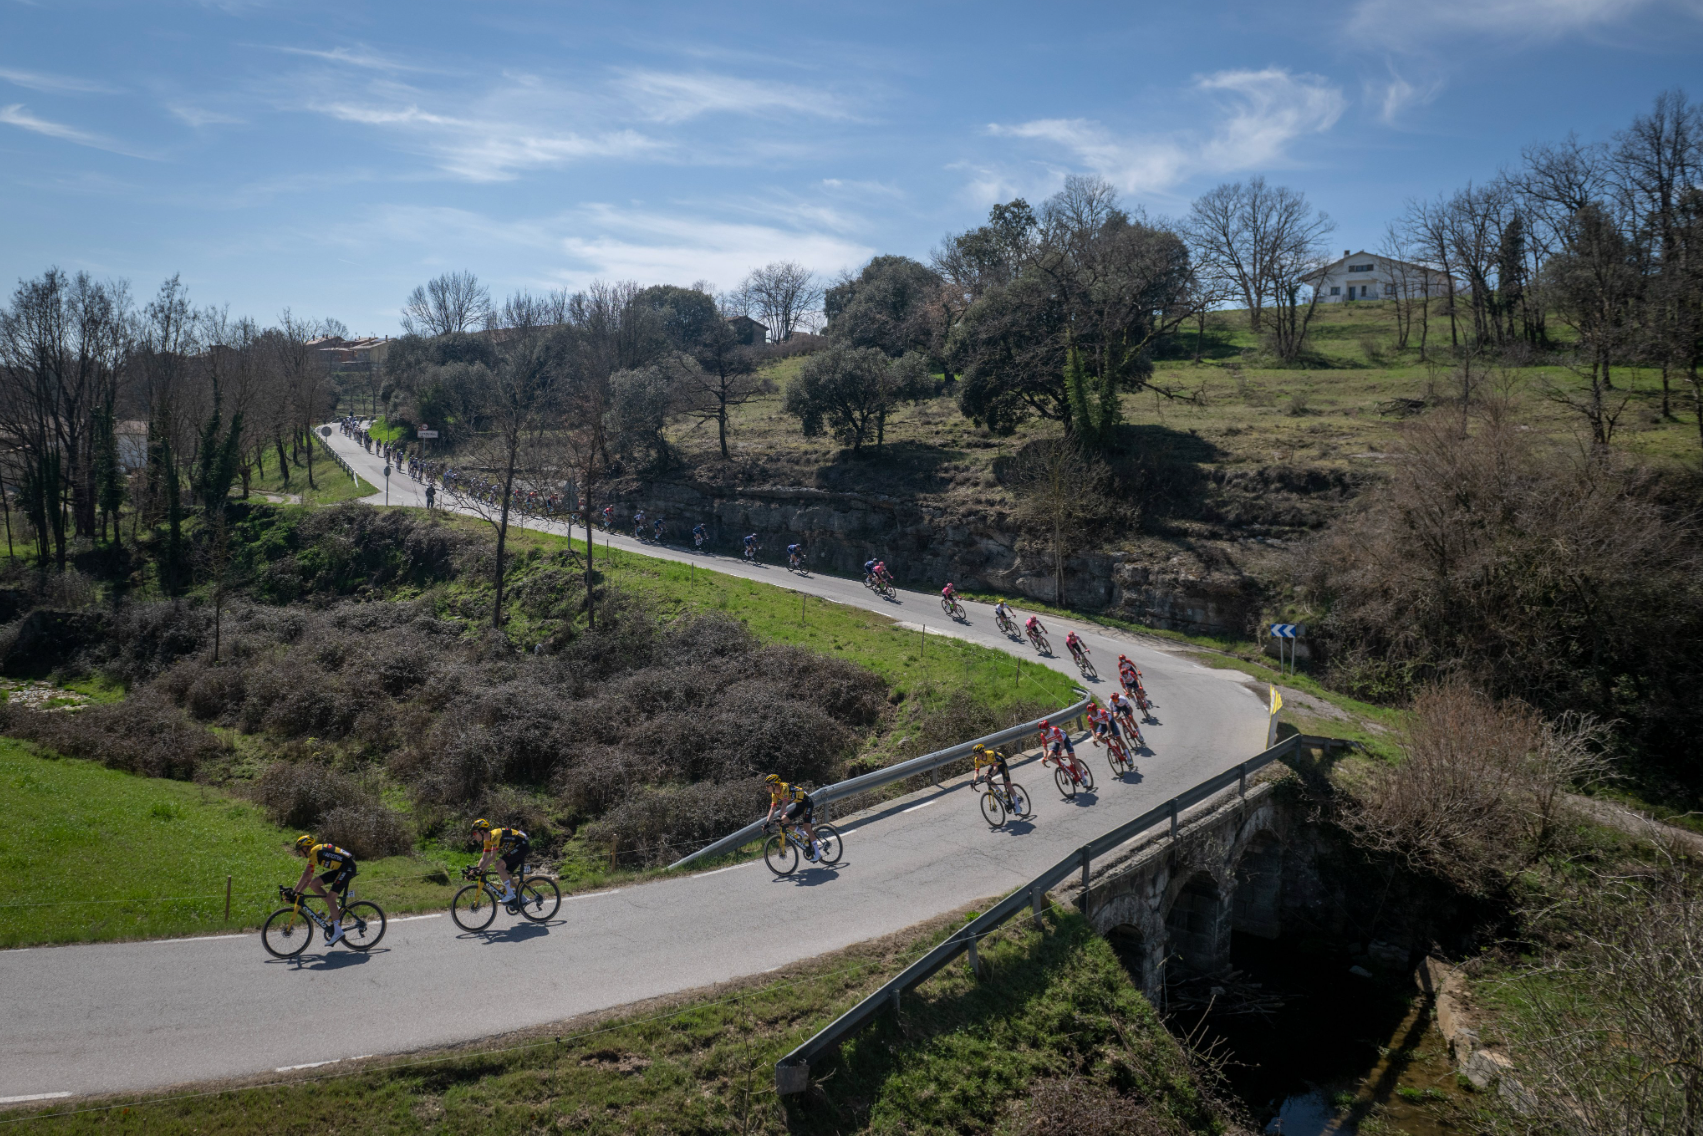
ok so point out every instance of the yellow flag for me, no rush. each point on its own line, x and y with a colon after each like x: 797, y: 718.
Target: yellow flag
x: 1276, y: 700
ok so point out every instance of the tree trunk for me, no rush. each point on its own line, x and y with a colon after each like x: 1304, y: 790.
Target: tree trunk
x: 721, y: 427
x: 590, y: 607
x: 503, y: 534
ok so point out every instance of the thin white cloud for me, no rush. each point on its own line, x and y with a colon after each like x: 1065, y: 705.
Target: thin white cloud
x: 356, y: 57
x: 18, y: 115
x: 1407, y: 26
x: 201, y: 116
x: 1261, y: 114
x: 1397, y: 94
x: 673, y: 97
x: 56, y: 84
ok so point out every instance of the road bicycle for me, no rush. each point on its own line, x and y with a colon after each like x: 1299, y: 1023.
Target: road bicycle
x: 1039, y: 640
x: 474, y: 906
x: 1117, y: 754
x: 1133, y: 730
x: 795, y: 562
x: 951, y: 606
x: 1007, y: 625
x: 998, y: 802
x: 1083, y: 662
x: 1070, y: 775
x: 787, y: 844
x: 288, y: 930
x: 698, y: 540
x: 751, y: 552
x: 880, y: 585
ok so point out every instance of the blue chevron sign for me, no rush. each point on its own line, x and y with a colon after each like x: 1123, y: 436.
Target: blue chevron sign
x: 1286, y: 630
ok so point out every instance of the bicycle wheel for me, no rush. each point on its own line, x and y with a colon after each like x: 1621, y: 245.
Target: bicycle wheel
x: 473, y: 908
x: 540, y: 898
x: 363, y: 925
x: 780, y: 855
x: 287, y: 933
x: 1088, y: 670
x: 1087, y: 776
x: 832, y: 846
x: 1065, y: 782
x: 993, y: 809
x: 1021, y: 805
x: 1042, y: 645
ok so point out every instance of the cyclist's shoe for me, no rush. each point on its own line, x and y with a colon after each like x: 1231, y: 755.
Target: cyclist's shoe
x: 333, y: 935
x: 508, y: 895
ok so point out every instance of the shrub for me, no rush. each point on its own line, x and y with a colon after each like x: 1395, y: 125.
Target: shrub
x: 144, y: 734
x: 332, y: 806
x: 658, y: 824
x: 1078, y: 1106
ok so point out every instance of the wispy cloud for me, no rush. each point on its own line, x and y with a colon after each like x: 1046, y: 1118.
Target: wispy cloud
x: 17, y: 115
x: 667, y: 96
x: 356, y: 57
x: 201, y: 116
x: 1260, y: 115
x: 1396, y: 94
x: 1406, y: 26
x: 56, y: 84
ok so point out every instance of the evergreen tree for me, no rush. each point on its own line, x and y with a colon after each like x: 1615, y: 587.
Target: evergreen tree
x: 109, y: 474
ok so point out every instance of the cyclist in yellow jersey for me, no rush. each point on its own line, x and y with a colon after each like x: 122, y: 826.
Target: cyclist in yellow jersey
x: 994, y: 762
x: 338, y: 868
x: 800, y: 809
x: 508, y: 845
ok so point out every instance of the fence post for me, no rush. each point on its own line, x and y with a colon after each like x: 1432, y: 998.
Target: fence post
x: 895, y: 1002
x: 227, y: 899
x: 1242, y: 779
x: 1035, y: 903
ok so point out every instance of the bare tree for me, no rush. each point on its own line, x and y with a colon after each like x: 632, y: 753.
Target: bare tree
x: 1048, y: 479
x: 453, y: 302
x: 1264, y: 241
x: 785, y: 292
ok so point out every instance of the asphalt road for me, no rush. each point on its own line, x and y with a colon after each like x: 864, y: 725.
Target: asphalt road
x: 143, y: 1016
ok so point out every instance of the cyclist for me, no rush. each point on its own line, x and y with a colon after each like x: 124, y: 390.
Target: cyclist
x: 656, y: 530
x: 1058, y: 749
x: 699, y: 535
x: 1002, y: 610
x: 1078, y: 649
x: 751, y: 547
x: 800, y: 809
x: 1104, y: 725
x: 881, y: 572
x: 1119, y: 704
x: 508, y: 845
x: 869, y: 567
x: 1129, y: 676
x: 608, y: 517
x: 949, y: 594
x: 639, y: 525
x: 994, y: 762
x: 1033, y: 626
x: 795, y: 555
x: 338, y: 868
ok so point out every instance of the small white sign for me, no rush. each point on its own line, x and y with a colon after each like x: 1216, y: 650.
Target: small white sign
x: 425, y: 433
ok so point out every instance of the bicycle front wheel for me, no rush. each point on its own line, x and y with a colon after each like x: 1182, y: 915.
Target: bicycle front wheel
x: 832, y: 846
x: 1042, y: 645
x: 363, y: 925
x: 1087, y: 776
x: 1020, y: 803
x: 1065, y: 782
x: 780, y: 855
x: 993, y: 810
x: 540, y: 898
x: 472, y: 908
x: 287, y: 933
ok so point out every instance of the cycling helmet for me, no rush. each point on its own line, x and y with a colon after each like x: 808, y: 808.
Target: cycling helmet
x: 773, y: 779
x: 980, y: 748
x: 482, y: 825
x: 1045, y: 723
x: 304, y: 842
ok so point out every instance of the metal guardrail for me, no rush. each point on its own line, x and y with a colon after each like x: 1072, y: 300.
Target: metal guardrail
x: 792, y: 1072
x: 840, y: 790
x: 325, y: 433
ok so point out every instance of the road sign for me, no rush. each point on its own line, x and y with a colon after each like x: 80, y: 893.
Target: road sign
x: 425, y: 433
x: 1287, y: 630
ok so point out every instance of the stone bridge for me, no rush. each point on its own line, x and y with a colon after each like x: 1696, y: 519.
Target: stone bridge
x: 1171, y: 904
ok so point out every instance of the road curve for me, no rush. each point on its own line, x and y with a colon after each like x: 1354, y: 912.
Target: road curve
x: 143, y: 1016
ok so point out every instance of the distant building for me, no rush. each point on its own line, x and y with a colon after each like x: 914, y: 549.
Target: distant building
x: 748, y: 331
x: 131, y: 435
x: 1369, y: 276
x: 345, y: 356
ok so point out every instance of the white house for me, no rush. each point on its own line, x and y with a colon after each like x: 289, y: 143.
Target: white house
x: 1369, y: 276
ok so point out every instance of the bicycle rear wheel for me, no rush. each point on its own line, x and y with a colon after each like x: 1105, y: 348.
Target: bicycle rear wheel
x: 1042, y: 645
x: 287, y: 933
x: 832, y: 846
x: 539, y: 898
x: 363, y: 925
x: 472, y: 908
x: 993, y: 809
x: 780, y: 855
x: 1065, y: 782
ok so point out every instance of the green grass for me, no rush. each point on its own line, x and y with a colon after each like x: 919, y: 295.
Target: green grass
x: 960, y: 1058
x: 335, y: 484
x: 154, y: 854
x: 385, y: 431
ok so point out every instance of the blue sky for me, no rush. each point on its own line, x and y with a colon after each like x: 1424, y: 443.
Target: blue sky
x: 328, y: 157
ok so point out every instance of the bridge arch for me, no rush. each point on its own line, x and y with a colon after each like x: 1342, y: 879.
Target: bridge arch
x: 1197, y: 925
x: 1256, y: 901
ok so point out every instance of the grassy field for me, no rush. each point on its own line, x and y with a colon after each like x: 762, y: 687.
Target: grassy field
x: 335, y: 485
x: 1053, y: 1003
x: 91, y: 854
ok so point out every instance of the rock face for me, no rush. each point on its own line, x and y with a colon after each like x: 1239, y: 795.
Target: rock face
x: 925, y: 546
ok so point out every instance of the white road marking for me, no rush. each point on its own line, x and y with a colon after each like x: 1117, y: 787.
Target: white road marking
x: 32, y: 1097
x: 719, y: 871
x: 407, y: 918
x: 924, y: 805
x: 595, y: 894
x: 309, y: 1065
x: 197, y: 939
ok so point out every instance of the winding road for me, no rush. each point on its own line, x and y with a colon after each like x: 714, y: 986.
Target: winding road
x: 144, y: 1016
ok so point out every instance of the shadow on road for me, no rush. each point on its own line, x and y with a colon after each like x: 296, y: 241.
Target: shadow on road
x: 811, y: 877
x: 331, y: 960
x: 513, y: 933
x: 1016, y: 828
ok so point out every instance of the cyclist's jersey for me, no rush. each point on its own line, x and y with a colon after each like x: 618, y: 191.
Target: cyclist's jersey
x: 947, y: 591
x: 505, y: 839
x: 1120, y: 704
x: 1057, y: 737
x: 1001, y: 609
x: 1033, y: 624
x: 750, y: 540
x: 329, y: 857
x: 989, y: 757
x: 794, y: 549
x: 1072, y: 641
x: 786, y: 791
x: 698, y: 531
x: 869, y: 567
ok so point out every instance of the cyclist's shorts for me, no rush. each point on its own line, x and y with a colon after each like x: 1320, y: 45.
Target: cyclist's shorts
x: 513, y: 860
x: 802, y: 811
x: 1000, y: 767
x: 337, y: 879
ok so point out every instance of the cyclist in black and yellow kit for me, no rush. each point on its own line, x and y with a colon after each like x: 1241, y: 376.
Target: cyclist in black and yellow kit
x: 994, y: 762
x: 509, y: 846
x: 335, y: 867
x: 800, y: 809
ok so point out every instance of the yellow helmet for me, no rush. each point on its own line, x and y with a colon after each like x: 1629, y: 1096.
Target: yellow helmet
x: 482, y: 825
x: 304, y: 842
x: 980, y: 748
x: 773, y: 779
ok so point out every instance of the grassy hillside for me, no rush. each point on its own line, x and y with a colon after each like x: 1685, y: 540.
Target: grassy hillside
x: 1055, y: 1033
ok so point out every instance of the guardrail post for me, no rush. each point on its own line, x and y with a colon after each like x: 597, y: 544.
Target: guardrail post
x: 1242, y: 779
x: 1085, y: 863
x: 895, y: 1003
x: 1035, y: 903
x: 791, y: 1079
x: 1173, y: 818
x: 975, y: 962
